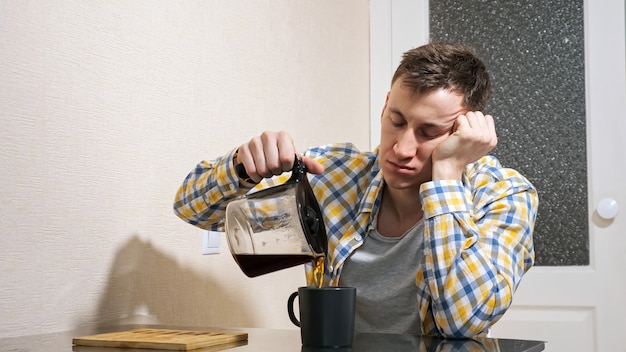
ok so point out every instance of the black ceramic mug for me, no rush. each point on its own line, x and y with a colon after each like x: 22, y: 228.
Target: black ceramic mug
x: 326, y: 315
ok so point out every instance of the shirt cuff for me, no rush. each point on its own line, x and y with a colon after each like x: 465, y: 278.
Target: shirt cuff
x: 444, y: 196
x: 227, y: 179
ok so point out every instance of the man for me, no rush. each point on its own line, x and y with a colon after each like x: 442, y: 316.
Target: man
x: 434, y: 233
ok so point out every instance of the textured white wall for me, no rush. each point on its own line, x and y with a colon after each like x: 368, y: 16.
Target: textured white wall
x: 105, y: 106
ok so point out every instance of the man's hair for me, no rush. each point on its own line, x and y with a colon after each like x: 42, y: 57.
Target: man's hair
x: 449, y: 66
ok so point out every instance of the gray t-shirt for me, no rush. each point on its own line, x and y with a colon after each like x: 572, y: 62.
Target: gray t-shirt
x: 383, y: 271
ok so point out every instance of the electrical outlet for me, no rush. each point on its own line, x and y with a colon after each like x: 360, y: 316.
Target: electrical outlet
x: 211, y: 242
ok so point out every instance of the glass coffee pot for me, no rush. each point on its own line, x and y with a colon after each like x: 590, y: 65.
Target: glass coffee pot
x: 278, y: 227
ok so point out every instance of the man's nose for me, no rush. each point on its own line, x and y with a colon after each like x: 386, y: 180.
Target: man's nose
x: 406, y: 145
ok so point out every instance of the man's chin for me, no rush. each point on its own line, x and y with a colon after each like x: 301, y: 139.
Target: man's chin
x: 398, y: 184
x: 401, y: 182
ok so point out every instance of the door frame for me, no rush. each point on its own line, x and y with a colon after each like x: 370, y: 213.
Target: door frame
x: 393, y: 30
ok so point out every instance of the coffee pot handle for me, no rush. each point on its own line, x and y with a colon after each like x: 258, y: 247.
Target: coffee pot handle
x: 298, y: 171
x: 290, y: 303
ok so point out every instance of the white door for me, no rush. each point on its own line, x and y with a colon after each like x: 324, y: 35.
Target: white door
x: 577, y: 308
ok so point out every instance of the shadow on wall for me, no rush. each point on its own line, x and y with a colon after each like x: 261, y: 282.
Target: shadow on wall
x: 148, y: 287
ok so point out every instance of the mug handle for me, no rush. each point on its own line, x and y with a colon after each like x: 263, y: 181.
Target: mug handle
x: 290, y: 302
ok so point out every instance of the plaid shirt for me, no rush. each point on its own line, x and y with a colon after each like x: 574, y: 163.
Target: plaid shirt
x: 477, y: 232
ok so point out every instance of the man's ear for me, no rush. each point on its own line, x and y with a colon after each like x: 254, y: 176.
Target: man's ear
x: 384, y: 107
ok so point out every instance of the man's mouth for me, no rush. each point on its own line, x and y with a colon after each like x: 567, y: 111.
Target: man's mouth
x: 400, y: 167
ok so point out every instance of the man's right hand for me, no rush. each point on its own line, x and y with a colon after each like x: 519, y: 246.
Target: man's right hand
x: 272, y: 153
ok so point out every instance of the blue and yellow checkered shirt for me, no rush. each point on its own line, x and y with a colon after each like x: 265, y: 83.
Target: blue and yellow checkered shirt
x: 477, y: 232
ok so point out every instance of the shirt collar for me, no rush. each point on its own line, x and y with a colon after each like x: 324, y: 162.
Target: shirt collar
x: 373, y: 193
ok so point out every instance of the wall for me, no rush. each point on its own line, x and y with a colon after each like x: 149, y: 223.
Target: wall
x: 107, y: 105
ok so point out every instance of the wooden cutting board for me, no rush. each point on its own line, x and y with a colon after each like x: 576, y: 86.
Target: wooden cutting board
x: 163, y: 339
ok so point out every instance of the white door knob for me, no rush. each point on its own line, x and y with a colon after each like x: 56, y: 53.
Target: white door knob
x: 607, y: 208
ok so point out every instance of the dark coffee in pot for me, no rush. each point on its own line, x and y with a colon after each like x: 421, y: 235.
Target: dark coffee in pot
x: 259, y: 264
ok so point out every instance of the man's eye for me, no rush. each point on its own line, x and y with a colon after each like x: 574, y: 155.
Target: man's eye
x: 432, y: 134
x: 396, y: 122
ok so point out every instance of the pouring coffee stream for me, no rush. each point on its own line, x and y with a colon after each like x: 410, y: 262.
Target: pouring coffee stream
x: 278, y: 227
